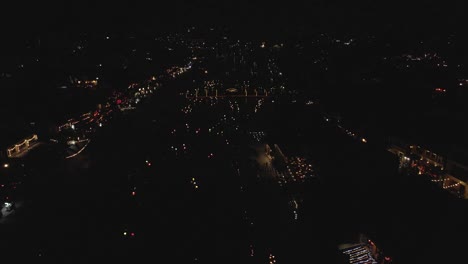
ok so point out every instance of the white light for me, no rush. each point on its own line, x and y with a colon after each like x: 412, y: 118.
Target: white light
x: 100, y: 124
x: 6, y: 165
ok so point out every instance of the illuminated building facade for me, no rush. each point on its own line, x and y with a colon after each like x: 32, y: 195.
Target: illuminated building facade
x: 443, y: 168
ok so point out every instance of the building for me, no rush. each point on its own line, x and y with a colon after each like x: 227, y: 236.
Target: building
x: 445, y: 166
x: 363, y: 250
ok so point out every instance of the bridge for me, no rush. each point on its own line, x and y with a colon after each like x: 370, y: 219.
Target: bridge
x: 21, y: 148
x: 76, y: 147
x: 230, y: 94
x: 226, y: 96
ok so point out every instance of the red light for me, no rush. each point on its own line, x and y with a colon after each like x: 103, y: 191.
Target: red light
x: 132, y: 234
x: 149, y: 163
x: 133, y: 193
x: 119, y: 101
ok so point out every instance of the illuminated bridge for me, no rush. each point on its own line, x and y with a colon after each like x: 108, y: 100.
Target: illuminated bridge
x: 22, y: 147
x: 230, y: 93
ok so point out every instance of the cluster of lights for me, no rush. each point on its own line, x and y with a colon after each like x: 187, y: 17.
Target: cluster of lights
x: 199, y: 101
x: 88, y: 83
x: 439, y: 180
x: 258, y: 136
x: 427, y: 58
x: 463, y: 82
x: 422, y: 169
x: 360, y: 254
x: 182, y: 148
x: 299, y: 169
x: 281, y: 176
x: 245, y: 85
x: 273, y: 68
x: 187, y: 109
x: 194, y: 183
x: 99, y: 116
x: 443, y: 64
x: 145, y: 91
x: 234, y: 106
x: 176, y: 71
x: 89, y: 119
x: 272, y: 259
x: 259, y: 104
x: 349, y: 132
x: 218, y: 126
x: 131, y: 234
x: 452, y: 185
x: 211, y: 84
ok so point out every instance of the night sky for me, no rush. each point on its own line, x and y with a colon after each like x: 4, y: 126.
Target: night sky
x: 252, y: 17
